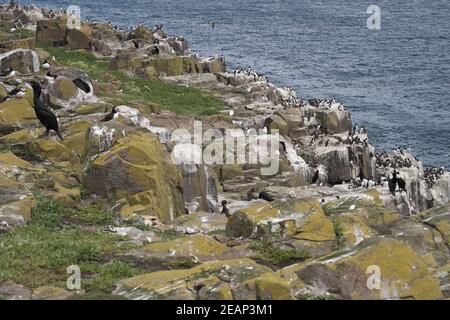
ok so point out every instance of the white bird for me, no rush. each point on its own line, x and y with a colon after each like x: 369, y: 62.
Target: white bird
x: 231, y: 113
x: 20, y: 94
x: 46, y: 65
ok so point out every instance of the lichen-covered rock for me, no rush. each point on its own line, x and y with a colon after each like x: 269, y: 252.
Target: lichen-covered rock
x: 51, y: 32
x: 200, y: 222
x: 135, y: 165
x: 265, y: 287
x: 53, y: 151
x: 51, y: 293
x: 10, y: 290
x: 79, y: 38
x: 17, y: 213
x: 199, y: 246
x: 303, y: 220
x: 198, y: 282
x: 17, y: 113
x: 11, y: 190
x: 347, y: 275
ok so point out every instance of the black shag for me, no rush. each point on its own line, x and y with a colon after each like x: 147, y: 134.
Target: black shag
x: 267, y: 124
x: 82, y: 85
x: 265, y: 196
x: 315, y: 177
x: 225, y: 210
x: 110, y: 115
x: 43, y: 113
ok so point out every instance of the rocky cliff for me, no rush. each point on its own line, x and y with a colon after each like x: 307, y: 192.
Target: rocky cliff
x: 112, y: 200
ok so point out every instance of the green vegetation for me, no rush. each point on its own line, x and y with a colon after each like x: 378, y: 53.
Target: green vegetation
x: 108, y: 275
x: 92, y: 215
x: 40, y: 253
x: 182, y: 100
x: 34, y: 256
x: 339, y: 233
x: 181, y: 263
x: 269, y: 253
x: 48, y: 213
x: 20, y: 33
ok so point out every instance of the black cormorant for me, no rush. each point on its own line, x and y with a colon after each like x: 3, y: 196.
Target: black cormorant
x: 43, y: 113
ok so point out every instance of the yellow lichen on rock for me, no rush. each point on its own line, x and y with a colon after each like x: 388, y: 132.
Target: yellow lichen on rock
x: 134, y: 169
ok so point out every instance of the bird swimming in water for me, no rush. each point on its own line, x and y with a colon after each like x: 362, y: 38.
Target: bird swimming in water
x: 110, y: 116
x: 225, y: 210
x: 265, y: 196
x: 43, y: 113
x: 82, y: 85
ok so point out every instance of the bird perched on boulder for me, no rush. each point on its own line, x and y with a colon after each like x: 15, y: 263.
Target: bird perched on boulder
x: 43, y: 113
x: 225, y: 210
x: 110, y: 116
x: 82, y: 85
x: 265, y: 196
x: 267, y: 124
x: 396, y: 181
x: 14, y: 93
x: 46, y: 65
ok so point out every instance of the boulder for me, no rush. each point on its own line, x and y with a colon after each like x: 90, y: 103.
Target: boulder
x: 10, y: 290
x: 135, y: 165
x: 337, y: 162
x: 303, y: 220
x: 347, y: 275
x: 201, y: 282
x: 17, y: 113
x: 51, y: 32
x: 24, y: 61
x: 51, y: 293
x: 334, y: 120
x: 200, y: 222
x: 199, y: 246
x: 79, y: 38
x: 17, y: 213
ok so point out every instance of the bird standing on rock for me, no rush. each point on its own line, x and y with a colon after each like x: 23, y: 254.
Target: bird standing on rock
x: 110, y: 116
x: 265, y: 196
x: 225, y: 210
x: 43, y: 113
x: 267, y: 124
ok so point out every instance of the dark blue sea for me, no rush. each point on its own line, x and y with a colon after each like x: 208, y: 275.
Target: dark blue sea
x: 395, y: 81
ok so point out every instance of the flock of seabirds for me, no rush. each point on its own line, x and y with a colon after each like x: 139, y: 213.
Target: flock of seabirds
x: 49, y: 120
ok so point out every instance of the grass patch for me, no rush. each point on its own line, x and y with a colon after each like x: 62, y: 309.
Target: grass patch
x: 20, y: 33
x: 36, y: 255
x: 339, y: 233
x: 92, y: 215
x: 108, y: 275
x: 48, y: 213
x: 268, y: 253
x: 179, y: 99
x: 181, y: 263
